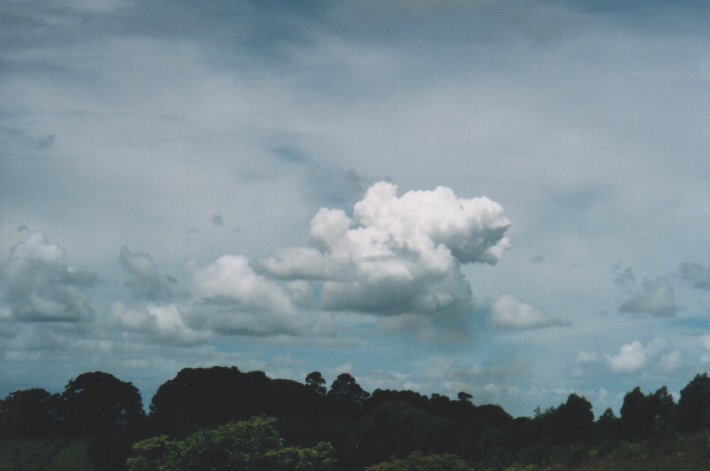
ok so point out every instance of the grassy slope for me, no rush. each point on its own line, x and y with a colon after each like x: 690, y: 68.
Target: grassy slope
x: 45, y: 454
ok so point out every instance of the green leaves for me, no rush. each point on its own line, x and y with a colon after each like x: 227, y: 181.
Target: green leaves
x: 253, y: 444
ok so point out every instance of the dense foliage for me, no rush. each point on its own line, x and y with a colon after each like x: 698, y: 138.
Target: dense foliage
x: 223, y: 418
x: 254, y: 444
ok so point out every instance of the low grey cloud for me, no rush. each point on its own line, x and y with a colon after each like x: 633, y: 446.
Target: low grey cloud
x: 696, y: 274
x: 217, y: 220
x: 654, y: 297
x: 144, y: 281
x: 38, y: 286
x: 626, y: 280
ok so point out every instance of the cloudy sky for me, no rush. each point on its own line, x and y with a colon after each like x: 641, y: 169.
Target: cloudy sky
x: 504, y: 197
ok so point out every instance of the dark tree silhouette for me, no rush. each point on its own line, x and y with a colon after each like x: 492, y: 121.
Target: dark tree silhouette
x: 608, y: 425
x: 199, y: 397
x: 575, y: 419
x: 98, y: 402
x: 346, y: 395
x: 694, y: 404
x: 394, y: 429
x: 642, y: 414
x: 29, y: 413
x: 465, y: 397
x: 316, y: 383
x: 380, y: 396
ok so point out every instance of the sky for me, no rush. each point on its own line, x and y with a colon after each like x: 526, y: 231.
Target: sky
x: 508, y: 198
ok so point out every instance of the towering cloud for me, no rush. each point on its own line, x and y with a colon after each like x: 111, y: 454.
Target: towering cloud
x: 396, y: 254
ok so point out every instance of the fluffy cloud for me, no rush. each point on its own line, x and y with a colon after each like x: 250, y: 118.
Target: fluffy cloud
x: 40, y: 287
x: 695, y: 273
x: 231, y: 280
x: 656, y: 297
x: 235, y: 300
x: 397, y: 255
x: 163, y: 322
x: 632, y: 357
x: 144, y: 281
x: 511, y: 313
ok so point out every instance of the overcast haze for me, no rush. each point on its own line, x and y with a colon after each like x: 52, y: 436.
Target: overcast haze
x: 508, y: 198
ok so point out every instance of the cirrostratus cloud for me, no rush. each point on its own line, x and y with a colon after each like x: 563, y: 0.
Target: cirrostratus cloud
x: 41, y: 287
x: 397, y: 254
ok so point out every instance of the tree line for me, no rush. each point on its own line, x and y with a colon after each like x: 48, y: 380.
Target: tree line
x: 339, y: 427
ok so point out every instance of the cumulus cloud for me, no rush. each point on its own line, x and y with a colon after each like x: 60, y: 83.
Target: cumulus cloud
x: 632, y: 357
x: 144, y: 281
x: 511, y: 313
x: 231, y: 280
x: 163, y: 322
x: 696, y: 274
x: 40, y: 287
x: 655, y: 297
x: 235, y: 300
x: 397, y: 254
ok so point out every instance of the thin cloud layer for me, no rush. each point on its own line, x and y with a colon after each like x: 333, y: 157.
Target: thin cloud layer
x: 396, y: 255
x: 40, y: 287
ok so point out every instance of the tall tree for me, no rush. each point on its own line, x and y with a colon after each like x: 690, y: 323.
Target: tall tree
x: 316, y: 383
x: 97, y: 402
x: 346, y: 395
x: 694, y: 404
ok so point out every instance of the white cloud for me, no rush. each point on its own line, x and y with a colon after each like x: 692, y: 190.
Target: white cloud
x: 511, y: 313
x: 163, y: 322
x: 397, y: 255
x: 630, y: 359
x: 231, y: 279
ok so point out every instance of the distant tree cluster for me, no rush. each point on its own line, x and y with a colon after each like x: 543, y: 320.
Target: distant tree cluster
x: 229, y: 419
